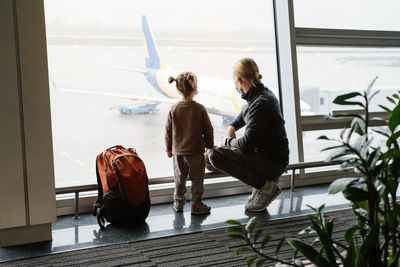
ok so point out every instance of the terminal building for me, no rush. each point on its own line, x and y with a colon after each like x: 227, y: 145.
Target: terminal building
x: 74, y: 81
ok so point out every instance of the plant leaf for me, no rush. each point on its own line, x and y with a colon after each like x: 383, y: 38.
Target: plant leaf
x: 373, y: 159
x: 350, y: 256
x: 371, y: 240
x: 279, y: 246
x: 235, y: 229
x: 253, y: 226
x: 355, y: 194
x: 257, y: 235
x: 260, y: 262
x: 323, y: 137
x: 391, y: 99
x: 251, y: 261
x: 266, y: 240
x: 392, y: 139
x: 250, y: 224
x: 373, y: 94
x: 343, y: 99
x: 233, y: 222
x: 371, y: 84
x: 350, y: 233
x: 395, y: 167
x: 394, y: 119
x: 241, y: 250
x: 340, y: 184
x: 350, y: 115
x: 385, y: 108
x: 381, y: 132
x: 325, y: 241
x: 332, y: 147
x: 392, y: 185
x: 329, y: 228
x: 308, y: 251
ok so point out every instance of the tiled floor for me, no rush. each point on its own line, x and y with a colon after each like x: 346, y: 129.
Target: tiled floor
x: 70, y: 234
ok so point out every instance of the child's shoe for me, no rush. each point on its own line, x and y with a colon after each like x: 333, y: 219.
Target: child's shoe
x: 200, y: 208
x: 178, y: 206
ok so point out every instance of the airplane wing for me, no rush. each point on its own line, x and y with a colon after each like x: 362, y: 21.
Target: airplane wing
x: 129, y: 96
x: 129, y: 69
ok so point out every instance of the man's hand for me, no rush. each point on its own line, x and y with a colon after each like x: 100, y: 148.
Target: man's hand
x: 169, y: 154
x: 230, y: 132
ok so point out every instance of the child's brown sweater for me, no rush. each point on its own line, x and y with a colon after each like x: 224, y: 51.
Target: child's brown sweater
x: 188, y: 129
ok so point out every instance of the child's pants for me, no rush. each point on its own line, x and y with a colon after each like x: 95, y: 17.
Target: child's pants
x: 190, y: 167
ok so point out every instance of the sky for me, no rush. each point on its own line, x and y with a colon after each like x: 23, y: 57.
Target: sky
x: 234, y: 18
x: 167, y: 16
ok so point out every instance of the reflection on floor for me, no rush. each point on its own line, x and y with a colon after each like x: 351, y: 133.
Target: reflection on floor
x: 70, y: 234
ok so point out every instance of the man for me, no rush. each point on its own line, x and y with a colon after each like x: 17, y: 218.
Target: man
x: 262, y: 154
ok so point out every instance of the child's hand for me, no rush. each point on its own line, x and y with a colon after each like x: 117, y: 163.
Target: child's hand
x: 223, y: 140
x: 210, y: 148
x: 169, y: 154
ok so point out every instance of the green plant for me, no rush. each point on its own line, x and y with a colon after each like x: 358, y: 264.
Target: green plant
x: 375, y: 239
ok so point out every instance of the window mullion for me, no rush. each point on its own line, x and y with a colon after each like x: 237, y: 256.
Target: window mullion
x: 312, y: 36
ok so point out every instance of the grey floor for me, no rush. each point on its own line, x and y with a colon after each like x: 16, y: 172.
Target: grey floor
x: 70, y: 234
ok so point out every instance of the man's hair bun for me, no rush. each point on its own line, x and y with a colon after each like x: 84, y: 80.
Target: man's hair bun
x: 171, y: 79
x: 259, y: 76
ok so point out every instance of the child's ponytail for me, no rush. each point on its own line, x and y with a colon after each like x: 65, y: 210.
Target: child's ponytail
x: 171, y: 79
x: 186, y: 83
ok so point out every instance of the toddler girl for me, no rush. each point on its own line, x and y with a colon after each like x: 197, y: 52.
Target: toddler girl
x: 188, y: 133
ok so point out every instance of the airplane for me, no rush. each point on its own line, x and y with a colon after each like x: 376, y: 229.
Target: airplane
x: 217, y: 95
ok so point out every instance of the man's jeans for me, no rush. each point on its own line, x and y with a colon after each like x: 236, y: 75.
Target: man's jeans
x: 253, y: 169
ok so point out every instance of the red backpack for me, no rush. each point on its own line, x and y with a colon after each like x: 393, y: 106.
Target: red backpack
x: 123, y: 192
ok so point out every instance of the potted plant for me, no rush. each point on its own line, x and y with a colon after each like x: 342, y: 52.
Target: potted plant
x: 375, y: 239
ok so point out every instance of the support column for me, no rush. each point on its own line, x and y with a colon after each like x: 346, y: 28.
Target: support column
x: 287, y: 69
x: 27, y: 189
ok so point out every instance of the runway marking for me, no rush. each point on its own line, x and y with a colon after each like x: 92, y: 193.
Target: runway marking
x: 79, y: 162
x: 65, y: 153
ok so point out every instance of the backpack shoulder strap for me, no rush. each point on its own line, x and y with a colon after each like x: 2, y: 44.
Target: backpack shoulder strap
x: 99, y: 201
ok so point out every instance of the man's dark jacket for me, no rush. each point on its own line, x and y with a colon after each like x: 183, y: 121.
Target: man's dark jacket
x: 265, y: 128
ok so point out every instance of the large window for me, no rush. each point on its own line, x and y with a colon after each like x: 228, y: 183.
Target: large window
x: 100, y: 84
x: 348, y: 14
x: 313, y: 146
x: 326, y: 72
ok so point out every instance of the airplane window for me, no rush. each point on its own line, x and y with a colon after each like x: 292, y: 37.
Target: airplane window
x: 325, y: 72
x: 109, y: 62
x: 353, y: 14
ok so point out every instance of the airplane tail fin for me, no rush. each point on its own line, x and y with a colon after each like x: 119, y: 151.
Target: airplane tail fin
x: 151, y: 53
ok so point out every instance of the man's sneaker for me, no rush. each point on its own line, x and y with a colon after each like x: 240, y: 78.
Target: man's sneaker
x: 200, y: 208
x: 253, y: 193
x: 263, y: 197
x: 178, y: 206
